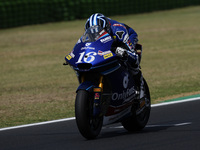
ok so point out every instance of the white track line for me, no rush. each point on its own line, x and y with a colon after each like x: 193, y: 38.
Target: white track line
x: 175, y: 102
x: 36, y: 124
x: 72, y: 118
x: 163, y: 125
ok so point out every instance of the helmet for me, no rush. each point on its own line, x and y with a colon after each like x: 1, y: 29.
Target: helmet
x: 98, y: 19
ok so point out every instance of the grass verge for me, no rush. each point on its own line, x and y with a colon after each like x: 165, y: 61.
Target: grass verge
x: 36, y: 87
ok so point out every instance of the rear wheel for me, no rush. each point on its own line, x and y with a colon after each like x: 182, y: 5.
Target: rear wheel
x: 88, y: 125
x: 140, y: 112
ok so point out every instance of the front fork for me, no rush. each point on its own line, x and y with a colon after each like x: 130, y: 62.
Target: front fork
x: 97, y: 98
x: 97, y: 90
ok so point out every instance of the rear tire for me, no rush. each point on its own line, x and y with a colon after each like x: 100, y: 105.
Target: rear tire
x: 88, y: 125
x: 136, y: 122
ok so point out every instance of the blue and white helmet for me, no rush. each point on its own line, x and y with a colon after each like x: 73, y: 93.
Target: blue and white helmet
x: 98, y: 19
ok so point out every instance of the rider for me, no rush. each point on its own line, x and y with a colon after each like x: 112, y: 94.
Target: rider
x: 124, y: 45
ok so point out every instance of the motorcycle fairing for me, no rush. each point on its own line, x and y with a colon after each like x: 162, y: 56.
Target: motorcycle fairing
x: 87, y: 85
x: 123, y: 93
x: 96, y: 56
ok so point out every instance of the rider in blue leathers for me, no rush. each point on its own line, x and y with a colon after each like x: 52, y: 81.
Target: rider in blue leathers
x: 125, y: 43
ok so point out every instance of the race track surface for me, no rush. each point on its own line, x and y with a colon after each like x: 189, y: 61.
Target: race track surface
x: 171, y: 127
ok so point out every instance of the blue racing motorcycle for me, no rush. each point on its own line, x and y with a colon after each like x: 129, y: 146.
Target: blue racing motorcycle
x: 107, y: 93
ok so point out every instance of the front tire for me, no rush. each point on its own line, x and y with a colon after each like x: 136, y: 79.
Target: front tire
x: 88, y: 125
x: 137, y: 121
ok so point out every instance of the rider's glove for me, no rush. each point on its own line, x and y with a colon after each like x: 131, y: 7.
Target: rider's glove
x: 121, y: 52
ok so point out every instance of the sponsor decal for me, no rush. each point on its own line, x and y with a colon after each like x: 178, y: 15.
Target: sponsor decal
x: 97, y: 89
x: 107, y: 55
x: 87, y: 44
x: 69, y: 57
x: 124, y: 95
x: 126, y: 38
x: 92, y: 48
x: 129, y: 44
x: 96, y: 96
x: 102, y: 32
x: 125, y: 81
x: 103, y: 53
x: 107, y: 39
x: 72, y: 54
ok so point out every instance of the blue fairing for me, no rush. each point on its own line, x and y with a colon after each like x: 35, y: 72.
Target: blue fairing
x: 87, y: 85
x: 93, y: 54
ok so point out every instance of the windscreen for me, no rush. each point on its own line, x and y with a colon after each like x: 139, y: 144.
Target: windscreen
x: 92, y: 34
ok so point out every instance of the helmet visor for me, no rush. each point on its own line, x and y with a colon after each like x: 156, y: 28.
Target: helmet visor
x: 92, y: 33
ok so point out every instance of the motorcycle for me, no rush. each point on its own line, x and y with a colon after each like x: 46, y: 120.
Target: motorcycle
x: 107, y: 92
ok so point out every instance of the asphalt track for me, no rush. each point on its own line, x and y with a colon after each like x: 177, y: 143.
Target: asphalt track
x: 171, y: 127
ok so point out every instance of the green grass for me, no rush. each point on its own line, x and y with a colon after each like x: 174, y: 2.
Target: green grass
x: 34, y: 86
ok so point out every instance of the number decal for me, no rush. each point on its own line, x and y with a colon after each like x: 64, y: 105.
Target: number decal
x: 88, y: 58
x: 80, y: 58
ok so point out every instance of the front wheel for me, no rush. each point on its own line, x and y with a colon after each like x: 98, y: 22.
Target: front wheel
x: 88, y: 125
x: 140, y: 112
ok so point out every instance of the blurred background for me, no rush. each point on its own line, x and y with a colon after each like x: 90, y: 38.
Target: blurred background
x: 36, y: 35
x: 25, y: 12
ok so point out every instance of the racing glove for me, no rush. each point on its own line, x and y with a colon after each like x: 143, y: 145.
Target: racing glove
x: 121, y: 52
